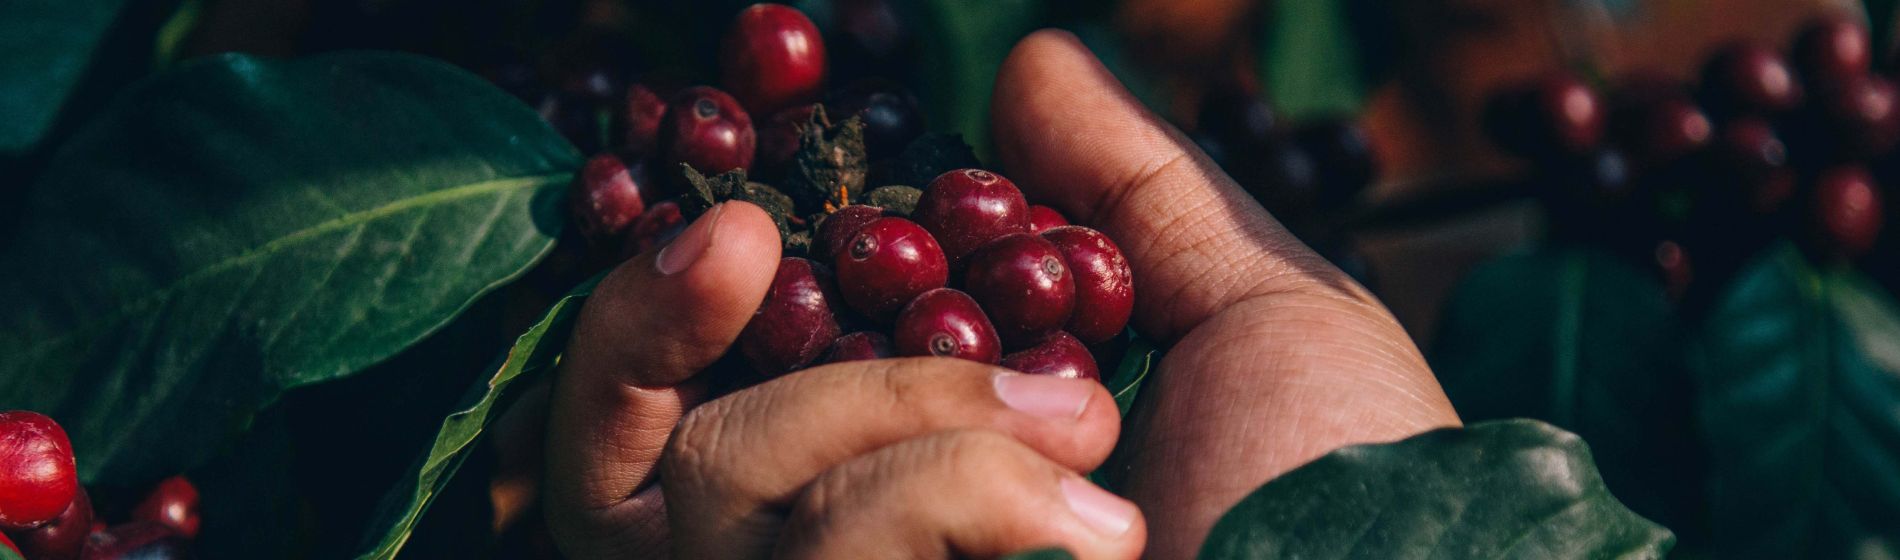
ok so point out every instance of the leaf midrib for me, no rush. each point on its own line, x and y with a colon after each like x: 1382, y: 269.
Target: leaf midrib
x: 338, y: 223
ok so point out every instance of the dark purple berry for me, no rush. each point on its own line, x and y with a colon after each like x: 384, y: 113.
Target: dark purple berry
x: 644, y: 111
x: 967, y: 208
x: 64, y: 536
x: 1747, y: 78
x: 660, y: 224
x: 772, y: 57
x: 706, y: 128
x: 1847, y: 211
x: 1832, y: 49
x: 890, y: 113
x: 1104, y: 285
x: 1236, y: 118
x: 946, y: 323
x: 778, y: 139
x: 1749, y: 155
x: 1060, y: 355
x: 173, y: 503
x: 1660, y: 129
x: 608, y: 199
x: 796, y: 321
x: 1344, y: 157
x: 888, y: 263
x: 1552, y: 118
x: 1043, y: 218
x: 859, y: 346
x: 1863, y: 116
x: 138, y: 540
x: 838, y: 229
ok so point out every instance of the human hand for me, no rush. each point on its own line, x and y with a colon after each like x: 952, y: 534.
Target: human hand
x: 927, y: 457
x: 1274, y: 356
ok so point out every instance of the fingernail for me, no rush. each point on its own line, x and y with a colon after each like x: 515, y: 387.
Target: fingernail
x: 1044, y: 395
x: 690, y: 244
x: 1107, y: 513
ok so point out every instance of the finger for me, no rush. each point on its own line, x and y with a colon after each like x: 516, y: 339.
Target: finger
x: 735, y: 464
x: 651, y: 324
x: 1073, y: 138
x: 962, y: 494
x: 1277, y: 357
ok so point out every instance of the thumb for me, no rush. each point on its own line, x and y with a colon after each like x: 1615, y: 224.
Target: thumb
x: 651, y: 325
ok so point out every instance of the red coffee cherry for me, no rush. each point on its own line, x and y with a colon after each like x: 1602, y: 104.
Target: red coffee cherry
x: 859, y: 346
x: 1553, y: 118
x: 795, y: 323
x: 773, y: 57
x: 1043, y: 218
x: 37, y: 476
x: 1060, y: 355
x: 658, y: 225
x: 967, y: 208
x: 1747, y: 78
x: 706, y: 129
x: 173, y: 503
x: 1831, y: 49
x: 608, y: 199
x: 1863, y: 116
x: 63, y: 537
x: 1847, y: 211
x: 1750, y: 155
x: 1104, y: 285
x: 1661, y: 130
x: 643, y: 110
x: 947, y: 323
x: 840, y: 227
x: 889, y: 262
x: 1025, y: 286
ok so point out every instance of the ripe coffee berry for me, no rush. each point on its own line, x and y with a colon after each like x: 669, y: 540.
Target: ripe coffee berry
x: 1043, y: 218
x: 1024, y: 285
x: 1750, y: 155
x: 947, y: 323
x: 608, y: 199
x: 967, y: 208
x: 658, y: 225
x: 859, y: 346
x: 1060, y: 355
x: 1832, y: 49
x: 37, y: 476
x: 1662, y: 129
x: 838, y: 229
x: 1104, y: 285
x: 1555, y: 117
x: 706, y: 128
x: 890, y: 114
x: 889, y: 262
x: 772, y: 58
x: 644, y: 110
x: 64, y: 536
x: 1863, y: 115
x: 1847, y: 211
x: 173, y: 503
x: 795, y: 323
x: 1746, y: 78
x: 778, y: 139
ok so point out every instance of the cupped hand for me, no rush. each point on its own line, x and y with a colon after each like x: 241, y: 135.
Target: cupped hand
x: 925, y: 458
x: 1274, y: 356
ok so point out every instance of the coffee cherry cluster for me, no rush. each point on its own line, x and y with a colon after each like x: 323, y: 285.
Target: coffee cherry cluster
x: 1307, y: 174
x: 973, y: 272
x: 46, y: 514
x: 1696, y: 177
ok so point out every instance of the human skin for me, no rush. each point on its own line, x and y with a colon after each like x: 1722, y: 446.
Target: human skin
x: 1274, y: 358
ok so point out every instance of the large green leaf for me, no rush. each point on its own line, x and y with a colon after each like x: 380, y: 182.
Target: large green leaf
x: 1309, y: 60
x: 1586, y: 341
x: 1800, y: 377
x: 1126, y: 380
x: 45, y: 48
x: 1501, y: 489
x: 238, y: 227
x: 533, y: 354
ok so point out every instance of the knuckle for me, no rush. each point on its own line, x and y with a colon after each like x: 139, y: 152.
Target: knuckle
x: 691, y: 452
